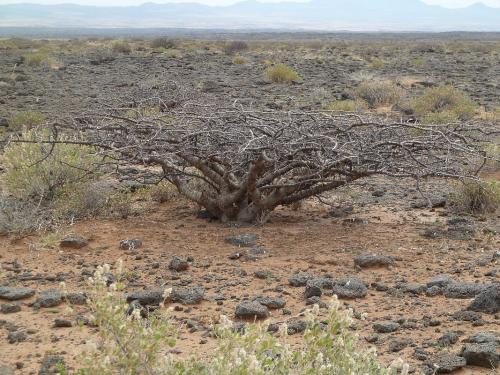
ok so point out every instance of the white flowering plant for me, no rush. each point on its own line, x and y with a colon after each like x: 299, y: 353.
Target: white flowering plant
x: 131, y: 344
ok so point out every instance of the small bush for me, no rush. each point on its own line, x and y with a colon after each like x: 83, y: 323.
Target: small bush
x: 35, y: 59
x: 231, y: 48
x: 121, y: 46
x: 476, y: 197
x: 26, y: 120
x: 18, y: 218
x: 378, y: 93
x: 346, y: 106
x: 444, y: 103
x: 280, y: 73
x: 40, y: 172
x: 239, y: 60
x: 377, y: 64
x: 173, y: 53
x: 162, y: 42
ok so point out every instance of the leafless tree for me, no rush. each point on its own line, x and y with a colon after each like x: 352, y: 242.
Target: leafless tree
x: 241, y: 163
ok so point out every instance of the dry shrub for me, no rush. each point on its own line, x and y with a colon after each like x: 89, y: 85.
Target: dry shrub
x: 239, y: 60
x: 281, y: 73
x: 476, y: 197
x: 379, y: 93
x: 233, y: 47
x: 163, y: 42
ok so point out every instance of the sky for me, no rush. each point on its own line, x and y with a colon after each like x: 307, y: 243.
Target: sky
x: 446, y: 3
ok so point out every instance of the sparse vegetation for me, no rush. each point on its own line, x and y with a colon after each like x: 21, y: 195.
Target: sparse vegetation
x: 444, y: 104
x: 137, y: 345
x: 281, y: 73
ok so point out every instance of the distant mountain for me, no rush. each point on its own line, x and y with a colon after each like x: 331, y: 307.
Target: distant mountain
x: 355, y: 15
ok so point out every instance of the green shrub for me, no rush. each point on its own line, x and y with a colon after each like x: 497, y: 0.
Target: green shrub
x: 121, y: 46
x: 346, y: 106
x: 41, y: 172
x: 280, y: 73
x: 476, y: 197
x: 378, y: 93
x: 377, y: 63
x: 445, y: 104
x: 35, y: 59
x: 131, y: 342
x: 26, y: 120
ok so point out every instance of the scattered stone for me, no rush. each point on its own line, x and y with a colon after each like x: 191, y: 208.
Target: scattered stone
x: 467, y: 316
x: 414, y: 288
x: 178, y: 264
x: 263, y: 275
x: 16, y: 336
x: 483, y: 337
x: 48, y: 298
x: 313, y: 288
x: 73, y: 241
x: 271, y: 302
x: 49, y: 365
x: 482, y: 355
x: 435, y: 202
x: 14, y: 294
x: 149, y: 297
x: 296, y: 326
x: 488, y: 301
x: 440, y: 281
x: 10, y: 308
x: 300, y: 279
x: 235, y: 256
x: 463, y: 290
x: 386, y: 327
x: 399, y: 344
x: 369, y: 261
x: 251, y: 310
x: 76, y: 298
x: 434, y: 291
x: 130, y: 244
x: 445, y: 363
x: 62, y: 323
x: 187, y: 295
x: 242, y: 240
x: 315, y: 300
x: 350, y: 288
x: 448, y: 339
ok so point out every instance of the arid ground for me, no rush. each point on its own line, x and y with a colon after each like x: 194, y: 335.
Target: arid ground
x: 414, y: 298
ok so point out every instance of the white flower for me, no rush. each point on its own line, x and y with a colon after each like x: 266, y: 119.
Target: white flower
x: 283, y: 330
x: 167, y: 292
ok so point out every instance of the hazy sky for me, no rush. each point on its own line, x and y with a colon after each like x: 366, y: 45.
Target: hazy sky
x: 447, y: 3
